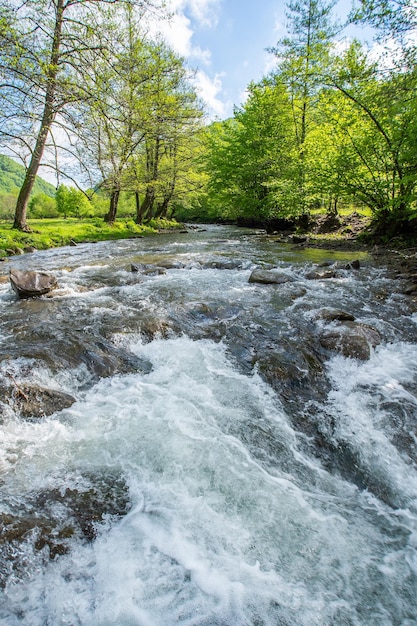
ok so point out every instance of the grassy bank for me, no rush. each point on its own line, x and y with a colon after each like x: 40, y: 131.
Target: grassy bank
x: 51, y: 233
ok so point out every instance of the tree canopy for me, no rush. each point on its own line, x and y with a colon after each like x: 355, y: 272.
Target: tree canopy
x: 84, y: 89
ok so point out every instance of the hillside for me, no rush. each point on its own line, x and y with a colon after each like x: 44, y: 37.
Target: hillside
x: 11, y: 178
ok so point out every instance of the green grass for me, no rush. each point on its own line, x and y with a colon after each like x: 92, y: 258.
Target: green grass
x: 346, y: 210
x: 51, y: 233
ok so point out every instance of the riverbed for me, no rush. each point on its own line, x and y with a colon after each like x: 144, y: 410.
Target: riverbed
x: 218, y: 464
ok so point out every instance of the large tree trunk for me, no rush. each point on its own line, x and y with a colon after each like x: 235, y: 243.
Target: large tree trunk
x: 163, y: 207
x: 49, y: 113
x: 147, y: 204
x: 139, y: 212
x: 110, y: 217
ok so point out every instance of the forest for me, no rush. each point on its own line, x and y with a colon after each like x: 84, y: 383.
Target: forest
x: 85, y: 91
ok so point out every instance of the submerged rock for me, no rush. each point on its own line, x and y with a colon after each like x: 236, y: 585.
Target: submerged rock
x: 314, y: 275
x: 332, y: 315
x: 45, y: 522
x: 269, y: 277
x: 169, y: 264
x: 147, y: 268
x: 33, y: 401
x: 224, y: 264
x: 353, y: 265
x: 31, y: 284
x: 351, y: 339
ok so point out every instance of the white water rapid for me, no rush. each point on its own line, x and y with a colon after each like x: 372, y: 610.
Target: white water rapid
x: 231, y: 520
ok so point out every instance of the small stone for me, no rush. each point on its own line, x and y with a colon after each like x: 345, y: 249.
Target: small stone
x: 321, y: 275
x: 331, y: 315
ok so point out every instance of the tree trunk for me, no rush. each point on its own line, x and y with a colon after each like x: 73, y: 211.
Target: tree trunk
x: 147, y: 204
x: 139, y: 212
x: 49, y: 113
x: 110, y: 217
x: 163, y: 207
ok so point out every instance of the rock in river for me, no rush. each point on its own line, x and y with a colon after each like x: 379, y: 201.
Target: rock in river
x: 269, y: 277
x: 33, y: 401
x: 31, y: 284
x: 351, y: 339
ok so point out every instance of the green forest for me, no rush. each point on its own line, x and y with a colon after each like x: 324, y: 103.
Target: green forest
x: 114, y: 114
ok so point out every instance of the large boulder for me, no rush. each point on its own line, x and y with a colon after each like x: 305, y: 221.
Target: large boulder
x: 269, y: 277
x: 31, y: 284
x: 351, y: 339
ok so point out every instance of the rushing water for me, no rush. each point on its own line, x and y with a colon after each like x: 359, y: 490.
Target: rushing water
x: 242, y: 476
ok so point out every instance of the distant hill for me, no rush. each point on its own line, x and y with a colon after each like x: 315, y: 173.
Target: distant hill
x: 11, y: 178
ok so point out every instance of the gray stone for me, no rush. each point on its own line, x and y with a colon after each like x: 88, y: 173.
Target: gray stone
x: 269, y: 277
x: 351, y: 339
x: 331, y: 315
x: 31, y: 284
x: 321, y: 275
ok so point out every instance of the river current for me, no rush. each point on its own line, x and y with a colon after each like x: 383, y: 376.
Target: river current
x: 218, y: 467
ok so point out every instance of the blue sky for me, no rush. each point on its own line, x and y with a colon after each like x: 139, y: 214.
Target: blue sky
x: 226, y: 41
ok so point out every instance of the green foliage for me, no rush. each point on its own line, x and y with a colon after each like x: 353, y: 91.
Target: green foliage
x: 71, y: 202
x: 7, y: 205
x: 325, y: 130
x: 12, y: 175
x: 391, y: 18
x: 42, y: 205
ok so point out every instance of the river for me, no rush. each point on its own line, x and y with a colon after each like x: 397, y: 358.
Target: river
x: 218, y: 466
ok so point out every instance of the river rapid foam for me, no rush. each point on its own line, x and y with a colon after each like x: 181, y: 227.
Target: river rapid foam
x: 229, y: 520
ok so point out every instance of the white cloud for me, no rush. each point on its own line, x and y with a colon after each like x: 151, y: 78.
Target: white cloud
x: 178, y: 30
x: 270, y: 63
x: 177, y: 33
x: 209, y: 89
x: 205, y: 12
x: 279, y: 27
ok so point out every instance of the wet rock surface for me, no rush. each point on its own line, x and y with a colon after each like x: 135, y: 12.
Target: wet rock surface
x: 31, y: 284
x: 351, y: 339
x: 51, y: 519
x: 273, y: 277
x: 33, y: 401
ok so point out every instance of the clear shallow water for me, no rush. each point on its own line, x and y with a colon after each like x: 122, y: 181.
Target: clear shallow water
x: 231, y: 519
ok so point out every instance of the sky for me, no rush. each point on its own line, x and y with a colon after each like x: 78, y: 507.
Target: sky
x: 225, y: 42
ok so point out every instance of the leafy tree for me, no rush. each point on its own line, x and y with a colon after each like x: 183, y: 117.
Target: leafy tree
x: 390, y: 18
x: 42, y: 205
x: 303, y: 57
x: 71, y: 202
x: 114, y: 117
x: 7, y: 204
x: 173, y: 118
x: 44, y: 54
x: 381, y: 129
x: 250, y: 158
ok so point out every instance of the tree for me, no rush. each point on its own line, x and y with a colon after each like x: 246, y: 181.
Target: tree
x: 42, y: 205
x: 390, y: 18
x: 46, y: 45
x: 302, y: 59
x: 250, y: 158
x: 381, y: 130
x: 173, y: 119
x: 71, y: 202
